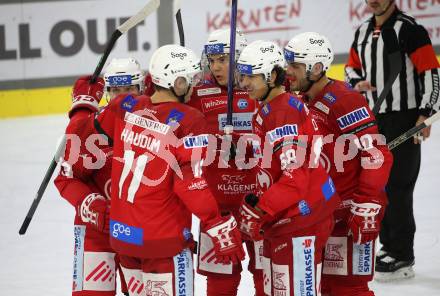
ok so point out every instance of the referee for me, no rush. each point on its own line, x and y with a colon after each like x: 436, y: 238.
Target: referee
x: 414, y: 97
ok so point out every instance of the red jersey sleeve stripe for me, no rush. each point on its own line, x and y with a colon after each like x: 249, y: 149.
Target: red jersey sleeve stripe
x: 353, y: 60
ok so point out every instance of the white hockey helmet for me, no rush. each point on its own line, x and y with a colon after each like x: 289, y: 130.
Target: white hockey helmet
x: 219, y: 42
x: 309, y: 48
x: 124, y: 72
x: 172, y: 61
x: 260, y: 57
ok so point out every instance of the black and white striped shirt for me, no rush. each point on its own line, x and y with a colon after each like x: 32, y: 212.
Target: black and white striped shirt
x: 417, y: 85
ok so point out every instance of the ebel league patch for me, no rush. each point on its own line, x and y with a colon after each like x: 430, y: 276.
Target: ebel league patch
x: 295, y: 103
x: 266, y: 109
x: 330, y: 98
x: 174, y: 117
x: 128, y: 103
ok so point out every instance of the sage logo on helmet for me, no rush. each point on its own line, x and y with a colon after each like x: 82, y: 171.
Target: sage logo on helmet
x: 172, y: 61
x: 260, y: 57
x: 266, y: 49
x: 309, y: 48
x: 316, y: 41
x: 180, y: 55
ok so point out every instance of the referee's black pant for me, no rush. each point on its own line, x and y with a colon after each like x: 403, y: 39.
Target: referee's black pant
x: 398, y: 225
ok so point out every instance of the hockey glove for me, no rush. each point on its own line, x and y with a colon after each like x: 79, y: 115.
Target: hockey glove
x: 364, y: 221
x: 86, y: 95
x: 251, y: 220
x: 95, y: 211
x: 227, y: 240
x: 148, y: 85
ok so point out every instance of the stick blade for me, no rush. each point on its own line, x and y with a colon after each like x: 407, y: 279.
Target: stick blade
x: 148, y: 9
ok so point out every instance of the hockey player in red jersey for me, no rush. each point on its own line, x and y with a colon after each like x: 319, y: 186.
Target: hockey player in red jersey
x: 293, y: 208
x: 157, y: 182
x: 228, y: 183
x: 356, y: 157
x: 88, y: 190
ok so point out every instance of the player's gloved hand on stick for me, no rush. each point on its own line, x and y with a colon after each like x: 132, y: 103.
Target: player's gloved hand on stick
x: 226, y: 147
x: 86, y: 94
x: 251, y: 219
x: 227, y: 240
x: 235, y: 148
x: 364, y: 221
x: 95, y: 210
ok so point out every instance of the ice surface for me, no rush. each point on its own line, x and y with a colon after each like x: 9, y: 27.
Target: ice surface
x: 40, y: 262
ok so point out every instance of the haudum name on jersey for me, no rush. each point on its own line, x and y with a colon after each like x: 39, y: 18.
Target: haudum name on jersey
x: 140, y: 140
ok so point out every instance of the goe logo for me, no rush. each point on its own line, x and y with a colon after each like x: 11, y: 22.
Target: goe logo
x: 244, y: 69
x: 126, y: 233
x: 214, y: 48
x: 120, y: 229
x: 180, y: 55
x: 118, y: 80
x: 316, y: 41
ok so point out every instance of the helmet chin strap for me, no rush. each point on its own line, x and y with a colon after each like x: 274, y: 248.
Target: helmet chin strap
x: 269, y: 89
x: 310, y: 81
x: 182, y: 97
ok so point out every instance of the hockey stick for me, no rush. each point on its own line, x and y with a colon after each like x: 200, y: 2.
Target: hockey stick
x: 229, y: 126
x: 43, y: 186
x: 149, y: 8
x: 408, y: 134
x: 391, y: 44
x: 179, y: 22
x: 127, y: 25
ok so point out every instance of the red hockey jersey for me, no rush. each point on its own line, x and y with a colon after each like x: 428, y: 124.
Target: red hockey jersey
x: 229, y: 185
x: 352, y: 155
x: 294, y: 188
x: 86, y: 167
x: 156, y: 149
